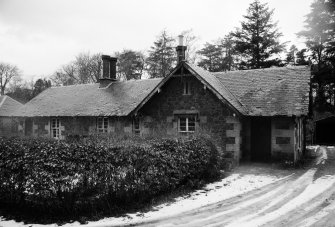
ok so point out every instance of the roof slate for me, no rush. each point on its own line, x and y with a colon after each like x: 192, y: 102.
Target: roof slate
x: 118, y: 99
x: 8, y: 105
x: 219, y: 87
x: 279, y: 91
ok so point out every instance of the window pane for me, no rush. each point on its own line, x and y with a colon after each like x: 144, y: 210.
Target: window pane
x: 182, y: 124
x: 136, y: 124
x: 191, y: 124
x: 191, y: 128
x: 105, y: 122
x: 182, y: 128
x: 100, y: 123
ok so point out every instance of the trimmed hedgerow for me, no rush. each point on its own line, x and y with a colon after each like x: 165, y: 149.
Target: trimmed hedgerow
x: 71, y: 179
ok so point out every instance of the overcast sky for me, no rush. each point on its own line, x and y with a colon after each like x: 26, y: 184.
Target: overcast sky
x: 41, y: 35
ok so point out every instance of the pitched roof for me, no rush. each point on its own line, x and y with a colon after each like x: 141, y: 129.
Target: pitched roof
x: 118, y: 99
x: 260, y: 92
x: 280, y: 91
x: 218, y: 86
x: 205, y: 77
x: 8, y: 105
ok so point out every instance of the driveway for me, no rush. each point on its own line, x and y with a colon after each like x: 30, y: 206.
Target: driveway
x: 304, y: 198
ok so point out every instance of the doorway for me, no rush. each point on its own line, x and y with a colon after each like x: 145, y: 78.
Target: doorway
x: 324, y: 131
x: 260, y: 139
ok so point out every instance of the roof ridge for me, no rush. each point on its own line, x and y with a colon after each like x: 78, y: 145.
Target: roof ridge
x: 3, y: 100
x: 14, y: 100
x: 261, y: 69
x: 72, y: 85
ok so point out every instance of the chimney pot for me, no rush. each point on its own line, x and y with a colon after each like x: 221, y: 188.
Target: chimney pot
x: 181, y: 40
x: 181, y: 49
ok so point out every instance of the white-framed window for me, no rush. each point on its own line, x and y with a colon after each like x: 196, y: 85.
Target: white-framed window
x: 136, y: 126
x: 55, y: 128
x: 186, y: 123
x: 186, y: 88
x: 102, y: 124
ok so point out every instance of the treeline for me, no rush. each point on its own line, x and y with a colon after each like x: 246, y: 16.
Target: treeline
x: 254, y: 44
x: 319, y: 34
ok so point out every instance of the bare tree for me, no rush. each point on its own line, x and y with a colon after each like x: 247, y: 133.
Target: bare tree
x: 7, y: 74
x: 191, y: 41
x: 66, y: 75
x: 84, y: 69
x: 88, y: 67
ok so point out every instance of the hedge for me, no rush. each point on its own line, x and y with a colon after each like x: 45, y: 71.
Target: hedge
x: 48, y: 178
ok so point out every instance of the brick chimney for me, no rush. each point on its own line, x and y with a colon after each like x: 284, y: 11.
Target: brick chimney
x: 181, y: 49
x: 108, y: 70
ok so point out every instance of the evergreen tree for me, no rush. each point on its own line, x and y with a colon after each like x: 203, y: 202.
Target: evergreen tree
x: 320, y: 35
x: 290, y: 57
x: 130, y: 64
x: 228, y: 48
x: 162, y: 56
x: 40, y: 85
x: 257, y: 40
x: 219, y: 56
x: 211, y: 57
x: 320, y: 31
x: 301, y: 57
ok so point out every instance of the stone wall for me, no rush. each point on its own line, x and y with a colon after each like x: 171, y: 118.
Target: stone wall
x: 41, y: 127
x: 233, y: 137
x: 9, y: 126
x: 75, y: 126
x: 282, y: 138
x: 214, y: 117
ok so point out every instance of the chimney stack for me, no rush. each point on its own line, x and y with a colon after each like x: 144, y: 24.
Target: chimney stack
x: 105, y: 66
x: 112, y: 68
x: 181, y: 49
x: 108, y: 70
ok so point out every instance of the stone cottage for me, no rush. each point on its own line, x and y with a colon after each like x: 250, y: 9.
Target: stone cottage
x: 9, y: 126
x: 253, y: 114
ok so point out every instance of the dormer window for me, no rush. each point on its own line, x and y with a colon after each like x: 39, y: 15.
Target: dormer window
x: 187, y: 88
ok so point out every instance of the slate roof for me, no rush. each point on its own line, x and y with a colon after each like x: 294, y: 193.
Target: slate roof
x: 219, y: 87
x: 8, y: 105
x: 279, y: 91
x: 118, y: 99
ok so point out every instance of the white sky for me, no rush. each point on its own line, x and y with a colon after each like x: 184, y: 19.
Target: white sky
x: 41, y: 35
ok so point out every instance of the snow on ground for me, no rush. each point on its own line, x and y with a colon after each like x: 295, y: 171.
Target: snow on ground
x: 237, y: 183
x: 313, y: 190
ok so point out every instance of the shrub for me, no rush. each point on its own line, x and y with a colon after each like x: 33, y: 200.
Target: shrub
x: 70, y: 179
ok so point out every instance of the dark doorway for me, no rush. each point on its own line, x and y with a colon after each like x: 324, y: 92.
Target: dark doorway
x: 324, y: 131
x: 28, y: 128
x: 260, y: 139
